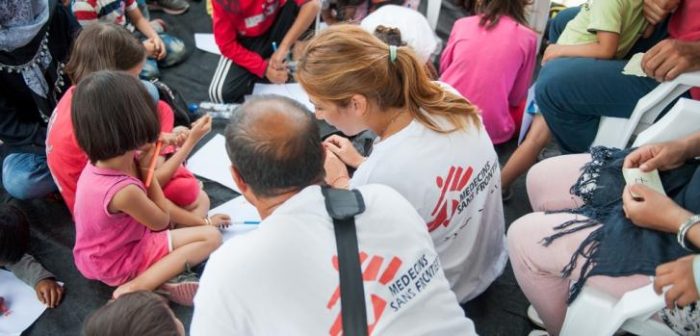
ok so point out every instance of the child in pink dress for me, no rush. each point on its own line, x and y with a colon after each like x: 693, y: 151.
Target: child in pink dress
x: 490, y: 59
x: 122, y: 236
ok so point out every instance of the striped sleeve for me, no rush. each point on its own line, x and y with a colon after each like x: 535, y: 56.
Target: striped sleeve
x: 85, y: 12
x: 131, y: 5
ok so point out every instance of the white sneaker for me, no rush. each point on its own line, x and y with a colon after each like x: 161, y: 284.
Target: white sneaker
x: 534, y: 317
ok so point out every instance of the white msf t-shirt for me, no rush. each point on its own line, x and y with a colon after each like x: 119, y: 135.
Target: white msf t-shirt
x: 454, y: 182
x: 282, y: 278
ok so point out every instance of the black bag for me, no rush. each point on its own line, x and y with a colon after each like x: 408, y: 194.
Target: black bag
x: 174, y: 99
x: 343, y: 205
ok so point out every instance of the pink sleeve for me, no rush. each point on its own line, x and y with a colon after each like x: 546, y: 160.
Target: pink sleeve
x: 167, y: 118
x: 446, y: 58
x: 524, y: 77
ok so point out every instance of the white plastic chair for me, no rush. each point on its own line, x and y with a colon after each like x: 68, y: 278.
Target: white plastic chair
x: 617, y: 132
x: 596, y: 313
x: 537, y: 16
x: 433, y: 12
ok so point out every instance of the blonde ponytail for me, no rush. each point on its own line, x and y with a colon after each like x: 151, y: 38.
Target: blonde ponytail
x: 345, y: 60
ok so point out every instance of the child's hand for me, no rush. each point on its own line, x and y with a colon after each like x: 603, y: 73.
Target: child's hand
x: 550, y: 53
x: 49, y: 292
x: 276, y: 76
x: 220, y: 220
x: 679, y: 275
x: 199, y: 129
x: 155, y: 47
x: 176, y: 138
x: 144, y: 159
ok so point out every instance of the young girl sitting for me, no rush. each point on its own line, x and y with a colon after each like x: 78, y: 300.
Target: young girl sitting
x: 603, y: 30
x: 489, y: 59
x: 122, y: 236
x: 105, y: 46
x: 140, y: 313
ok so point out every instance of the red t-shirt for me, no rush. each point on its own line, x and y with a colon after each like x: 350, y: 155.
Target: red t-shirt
x: 685, y: 26
x: 65, y: 158
x: 244, y: 18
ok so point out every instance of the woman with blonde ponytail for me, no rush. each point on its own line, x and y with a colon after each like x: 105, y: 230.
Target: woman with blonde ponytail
x: 431, y: 146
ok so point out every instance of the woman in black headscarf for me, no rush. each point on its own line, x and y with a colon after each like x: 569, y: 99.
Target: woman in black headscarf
x: 35, y: 37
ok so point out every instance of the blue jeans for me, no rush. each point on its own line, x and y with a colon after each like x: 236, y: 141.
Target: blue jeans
x: 573, y: 93
x: 26, y: 176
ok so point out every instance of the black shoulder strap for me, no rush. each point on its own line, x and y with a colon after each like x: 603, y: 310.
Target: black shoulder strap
x: 343, y: 205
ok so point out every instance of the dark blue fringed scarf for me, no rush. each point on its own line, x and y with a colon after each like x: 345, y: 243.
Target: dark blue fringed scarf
x: 618, y: 247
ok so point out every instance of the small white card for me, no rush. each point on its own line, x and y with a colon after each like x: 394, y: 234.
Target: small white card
x: 650, y: 179
x: 634, y: 66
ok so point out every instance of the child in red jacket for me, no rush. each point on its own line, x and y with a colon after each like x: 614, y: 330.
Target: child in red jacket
x: 245, y: 31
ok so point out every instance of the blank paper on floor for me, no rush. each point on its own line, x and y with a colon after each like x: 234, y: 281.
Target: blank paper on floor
x: 212, y: 162
x: 240, y: 211
x: 20, y: 299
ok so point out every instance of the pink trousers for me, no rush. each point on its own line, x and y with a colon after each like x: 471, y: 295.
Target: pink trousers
x: 538, y: 268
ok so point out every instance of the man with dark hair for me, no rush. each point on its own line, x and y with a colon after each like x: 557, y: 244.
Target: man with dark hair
x: 283, y: 277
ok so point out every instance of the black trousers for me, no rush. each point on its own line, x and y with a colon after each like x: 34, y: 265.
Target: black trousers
x: 232, y: 82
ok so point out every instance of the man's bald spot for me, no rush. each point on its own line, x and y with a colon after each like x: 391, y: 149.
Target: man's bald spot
x: 272, y: 119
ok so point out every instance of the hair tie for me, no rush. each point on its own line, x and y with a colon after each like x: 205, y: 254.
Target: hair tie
x: 392, y: 53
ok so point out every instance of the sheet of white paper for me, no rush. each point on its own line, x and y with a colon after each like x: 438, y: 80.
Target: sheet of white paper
x: 650, y: 179
x: 211, y: 162
x: 291, y: 90
x: 240, y: 211
x: 634, y: 66
x: 20, y: 299
x: 206, y: 42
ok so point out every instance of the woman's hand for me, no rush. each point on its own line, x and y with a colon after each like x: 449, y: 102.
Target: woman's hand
x: 344, y: 150
x: 49, y: 292
x: 648, y: 209
x: 336, y: 172
x: 679, y: 275
x: 661, y: 156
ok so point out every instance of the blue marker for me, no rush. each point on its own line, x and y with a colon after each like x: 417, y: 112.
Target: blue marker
x: 246, y: 222
x: 274, y: 46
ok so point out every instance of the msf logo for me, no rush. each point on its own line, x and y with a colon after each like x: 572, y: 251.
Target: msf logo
x: 450, y: 189
x: 372, y: 267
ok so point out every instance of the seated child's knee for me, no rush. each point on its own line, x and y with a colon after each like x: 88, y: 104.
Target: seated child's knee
x: 213, y: 236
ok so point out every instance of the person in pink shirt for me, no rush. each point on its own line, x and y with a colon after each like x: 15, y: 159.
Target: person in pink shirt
x: 121, y: 215
x: 489, y: 59
x: 103, y: 46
